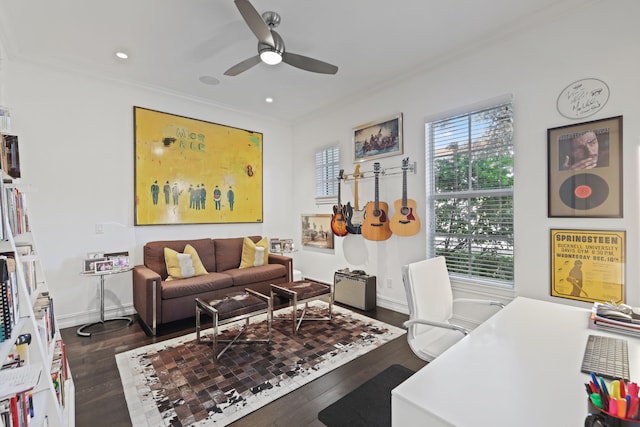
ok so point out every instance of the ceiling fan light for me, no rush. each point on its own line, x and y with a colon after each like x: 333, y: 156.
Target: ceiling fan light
x: 270, y: 57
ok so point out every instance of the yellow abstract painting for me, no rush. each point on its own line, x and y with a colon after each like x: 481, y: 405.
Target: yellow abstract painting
x: 190, y: 171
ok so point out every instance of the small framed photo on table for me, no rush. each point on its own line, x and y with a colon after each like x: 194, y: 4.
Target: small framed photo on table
x: 276, y: 245
x: 120, y: 260
x: 89, y: 265
x: 95, y: 255
x: 104, y: 266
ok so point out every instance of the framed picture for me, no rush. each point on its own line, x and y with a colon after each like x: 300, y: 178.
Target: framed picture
x: 103, y: 266
x: 93, y: 255
x: 588, y: 265
x: 120, y: 260
x: 89, y: 265
x: 275, y: 245
x: 190, y: 171
x: 287, y: 245
x: 316, y: 231
x: 585, y: 169
x: 378, y: 139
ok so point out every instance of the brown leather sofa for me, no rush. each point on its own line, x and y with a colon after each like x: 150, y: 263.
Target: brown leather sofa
x: 158, y: 301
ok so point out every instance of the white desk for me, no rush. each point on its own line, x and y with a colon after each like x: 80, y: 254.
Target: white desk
x: 519, y: 368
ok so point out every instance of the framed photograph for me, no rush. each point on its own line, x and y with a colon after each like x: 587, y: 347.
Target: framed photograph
x: 378, y: 139
x: 190, y: 171
x: 287, y: 245
x: 316, y: 231
x: 103, y: 266
x: 585, y: 169
x: 120, y: 260
x: 588, y: 265
x: 93, y: 255
x: 275, y: 245
x: 89, y: 265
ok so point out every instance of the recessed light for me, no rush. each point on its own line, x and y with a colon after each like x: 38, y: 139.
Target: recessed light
x: 268, y: 100
x: 209, y: 80
x: 122, y: 55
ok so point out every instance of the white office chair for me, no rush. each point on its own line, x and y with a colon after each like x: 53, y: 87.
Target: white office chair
x: 431, y: 302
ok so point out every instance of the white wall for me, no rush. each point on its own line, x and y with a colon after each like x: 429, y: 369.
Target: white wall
x: 76, y: 148
x: 76, y: 140
x: 599, y: 40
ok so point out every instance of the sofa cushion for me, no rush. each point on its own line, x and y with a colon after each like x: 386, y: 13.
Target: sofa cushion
x: 181, y: 266
x: 254, y: 254
x: 229, y: 252
x: 195, y: 285
x: 246, y: 276
x: 154, y: 254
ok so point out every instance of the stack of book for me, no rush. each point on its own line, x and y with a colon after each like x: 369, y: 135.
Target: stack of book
x: 10, y: 155
x: 9, y: 306
x: 16, y: 399
x: 43, y: 311
x: 613, y: 324
x: 59, y: 373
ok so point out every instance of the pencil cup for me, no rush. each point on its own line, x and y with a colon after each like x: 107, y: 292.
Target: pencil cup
x: 599, y: 418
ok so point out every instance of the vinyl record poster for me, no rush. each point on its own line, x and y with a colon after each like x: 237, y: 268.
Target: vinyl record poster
x: 588, y: 265
x: 585, y: 169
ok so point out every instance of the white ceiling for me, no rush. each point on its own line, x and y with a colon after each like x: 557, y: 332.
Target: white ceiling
x: 172, y: 43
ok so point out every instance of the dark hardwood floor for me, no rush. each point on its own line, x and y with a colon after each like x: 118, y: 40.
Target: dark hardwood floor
x: 100, y: 399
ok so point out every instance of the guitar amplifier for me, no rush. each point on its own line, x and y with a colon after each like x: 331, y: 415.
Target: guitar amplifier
x: 356, y: 290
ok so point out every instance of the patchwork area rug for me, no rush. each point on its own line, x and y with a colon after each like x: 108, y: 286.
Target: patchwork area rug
x: 175, y: 382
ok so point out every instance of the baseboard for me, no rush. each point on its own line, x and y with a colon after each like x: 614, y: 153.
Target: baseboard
x: 392, y: 304
x: 79, y: 319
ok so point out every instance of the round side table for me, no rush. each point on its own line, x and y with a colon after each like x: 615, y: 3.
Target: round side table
x: 102, y: 320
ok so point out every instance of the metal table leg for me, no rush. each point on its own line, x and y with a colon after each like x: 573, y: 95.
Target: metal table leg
x: 102, y: 320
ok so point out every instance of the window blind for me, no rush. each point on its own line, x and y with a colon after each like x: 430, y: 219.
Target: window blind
x: 470, y: 192
x: 327, y: 163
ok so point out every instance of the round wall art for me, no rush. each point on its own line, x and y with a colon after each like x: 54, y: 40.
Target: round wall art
x: 583, y: 98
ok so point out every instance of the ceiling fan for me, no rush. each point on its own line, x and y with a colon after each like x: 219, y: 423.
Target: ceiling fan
x: 271, y: 46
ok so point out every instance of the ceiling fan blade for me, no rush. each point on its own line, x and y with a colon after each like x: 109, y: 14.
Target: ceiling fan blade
x: 243, y: 66
x: 308, y: 64
x: 255, y: 22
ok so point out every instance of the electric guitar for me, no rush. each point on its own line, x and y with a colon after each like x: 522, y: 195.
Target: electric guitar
x: 404, y: 221
x: 338, y: 222
x: 355, y: 216
x: 376, y: 223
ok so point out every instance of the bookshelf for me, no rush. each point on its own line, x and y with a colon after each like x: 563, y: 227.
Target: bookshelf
x: 27, y: 309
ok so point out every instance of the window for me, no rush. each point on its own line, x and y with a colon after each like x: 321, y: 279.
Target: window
x: 327, y: 172
x: 470, y: 193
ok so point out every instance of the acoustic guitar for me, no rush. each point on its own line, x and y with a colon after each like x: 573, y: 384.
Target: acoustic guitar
x: 355, y: 216
x: 404, y: 221
x: 376, y: 222
x: 338, y: 221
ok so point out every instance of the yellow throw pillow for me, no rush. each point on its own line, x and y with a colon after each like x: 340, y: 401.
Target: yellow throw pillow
x: 195, y: 258
x: 254, y: 254
x: 183, y: 265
